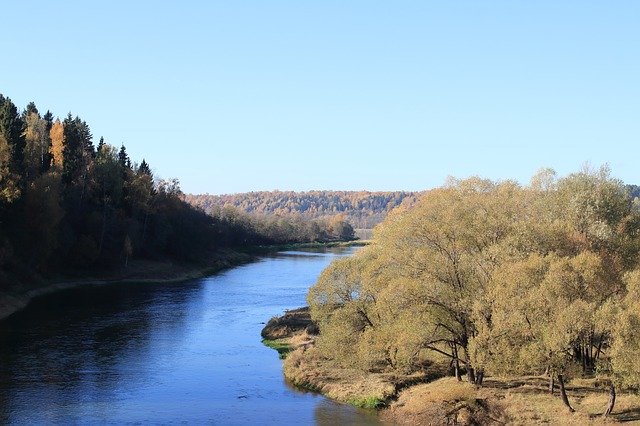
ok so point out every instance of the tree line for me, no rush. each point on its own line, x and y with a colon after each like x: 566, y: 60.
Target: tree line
x: 286, y: 228
x: 362, y: 209
x: 67, y: 204
x: 495, y: 278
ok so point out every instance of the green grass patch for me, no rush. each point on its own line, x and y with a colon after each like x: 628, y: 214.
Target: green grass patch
x: 370, y: 402
x: 281, y: 346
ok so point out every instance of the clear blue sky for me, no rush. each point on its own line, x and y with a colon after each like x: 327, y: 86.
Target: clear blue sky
x: 236, y: 96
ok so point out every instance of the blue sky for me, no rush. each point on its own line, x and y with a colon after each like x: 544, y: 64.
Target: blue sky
x: 237, y: 96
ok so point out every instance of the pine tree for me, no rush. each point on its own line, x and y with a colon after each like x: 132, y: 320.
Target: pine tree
x: 123, y: 158
x: 11, y: 127
x: 100, y: 145
x: 78, y: 149
x: 30, y: 109
x: 144, y: 168
x: 48, y: 157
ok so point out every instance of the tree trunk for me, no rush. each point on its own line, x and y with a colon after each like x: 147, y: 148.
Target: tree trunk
x: 104, y: 226
x: 563, y: 393
x: 612, y: 400
x: 480, y: 377
x: 551, y: 383
x: 456, y: 362
x: 471, y: 377
x: 587, y: 355
x: 599, y: 349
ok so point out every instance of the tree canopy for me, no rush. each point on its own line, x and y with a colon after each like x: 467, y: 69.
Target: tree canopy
x: 495, y: 278
x: 67, y: 205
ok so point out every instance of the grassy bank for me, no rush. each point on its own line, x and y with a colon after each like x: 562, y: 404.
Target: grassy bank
x: 293, y: 336
x: 430, y: 398
x: 20, y: 294
x: 306, y: 368
x: 422, y: 400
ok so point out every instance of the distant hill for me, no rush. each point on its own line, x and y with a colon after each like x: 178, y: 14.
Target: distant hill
x: 634, y: 190
x: 362, y: 209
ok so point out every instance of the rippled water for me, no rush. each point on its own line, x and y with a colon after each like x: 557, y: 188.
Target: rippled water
x: 169, y: 353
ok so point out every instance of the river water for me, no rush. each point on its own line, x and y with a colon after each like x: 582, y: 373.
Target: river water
x: 167, y: 353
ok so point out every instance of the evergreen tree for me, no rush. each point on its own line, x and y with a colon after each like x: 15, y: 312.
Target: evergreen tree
x: 78, y: 149
x: 48, y: 156
x: 100, y: 145
x: 144, y: 168
x: 11, y: 127
x: 123, y: 158
x: 30, y: 109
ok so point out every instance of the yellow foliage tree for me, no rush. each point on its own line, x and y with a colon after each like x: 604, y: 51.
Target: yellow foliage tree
x: 57, y: 144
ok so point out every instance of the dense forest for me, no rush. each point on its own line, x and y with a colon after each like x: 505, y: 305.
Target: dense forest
x: 362, y: 209
x: 495, y: 278
x: 67, y: 204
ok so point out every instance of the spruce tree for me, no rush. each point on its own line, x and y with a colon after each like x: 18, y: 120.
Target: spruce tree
x: 144, y: 168
x: 11, y: 127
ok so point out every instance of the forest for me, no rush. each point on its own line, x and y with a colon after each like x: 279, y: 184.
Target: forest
x: 67, y: 204
x: 362, y: 209
x: 495, y: 279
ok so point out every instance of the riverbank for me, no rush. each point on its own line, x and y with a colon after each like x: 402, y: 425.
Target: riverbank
x: 18, y: 295
x: 293, y: 335
x: 314, y: 245
x: 433, y: 399
x: 137, y: 272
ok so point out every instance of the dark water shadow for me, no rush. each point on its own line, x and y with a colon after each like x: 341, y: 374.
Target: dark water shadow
x: 89, y: 335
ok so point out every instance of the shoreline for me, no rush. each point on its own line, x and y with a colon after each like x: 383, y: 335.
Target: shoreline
x: 293, y: 336
x: 147, y: 272
x: 13, y: 301
x: 295, y: 246
x: 436, y: 397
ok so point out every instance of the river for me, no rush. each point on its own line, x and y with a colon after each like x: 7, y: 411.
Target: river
x: 165, y: 353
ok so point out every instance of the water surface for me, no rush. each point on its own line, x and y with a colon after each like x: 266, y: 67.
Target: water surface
x: 167, y: 353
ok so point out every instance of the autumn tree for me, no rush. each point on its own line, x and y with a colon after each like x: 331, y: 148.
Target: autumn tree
x: 56, y: 150
x: 36, y: 144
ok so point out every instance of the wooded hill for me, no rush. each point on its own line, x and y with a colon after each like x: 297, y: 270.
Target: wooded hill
x: 362, y: 209
x: 67, y: 205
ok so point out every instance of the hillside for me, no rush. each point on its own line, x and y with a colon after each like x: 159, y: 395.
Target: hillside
x: 71, y: 209
x: 362, y: 209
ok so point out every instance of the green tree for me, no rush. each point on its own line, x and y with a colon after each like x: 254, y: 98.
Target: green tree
x: 11, y: 127
x: 108, y: 177
x: 78, y: 151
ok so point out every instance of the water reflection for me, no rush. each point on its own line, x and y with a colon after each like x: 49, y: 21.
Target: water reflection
x: 163, y: 353
x: 81, y: 344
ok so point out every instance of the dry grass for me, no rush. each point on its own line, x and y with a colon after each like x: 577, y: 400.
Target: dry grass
x: 444, y: 401
x: 513, y: 401
x: 502, y: 400
x: 306, y: 368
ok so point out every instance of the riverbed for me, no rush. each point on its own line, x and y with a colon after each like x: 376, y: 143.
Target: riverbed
x: 164, y: 353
